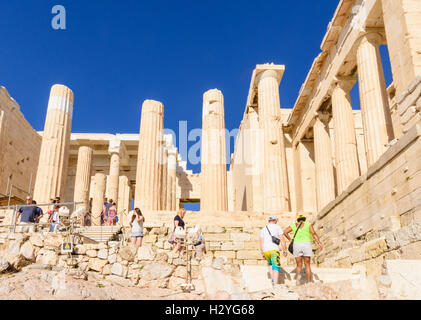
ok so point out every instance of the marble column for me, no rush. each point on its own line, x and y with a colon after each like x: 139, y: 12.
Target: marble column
x: 299, y: 200
x: 346, y: 152
x: 113, y: 179
x: 148, y: 176
x: 164, y: 178
x: 3, y: 145
x: 98, y: 198
x: 172, y: 179
x: 83, y: 176
x: 53, y: 161
x: 325, y: 181
x: 377, y: 121
x: 123, y: 204
x: 256, y: 161
x: 275, y: 189
x: 402, y: 21
x: 214, y: 193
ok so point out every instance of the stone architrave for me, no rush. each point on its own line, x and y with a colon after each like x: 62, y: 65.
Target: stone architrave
x: 346, y: 152
x: 377, y: 120
x: 214, y: 192
x: 325, y: 181
x: 98, y: 198
x: 148, y: 175
x: 275, y: 189
x: 83, y: 176
x: 53, y: 161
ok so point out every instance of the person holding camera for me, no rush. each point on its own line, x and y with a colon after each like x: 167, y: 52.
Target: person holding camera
x: 270, y: 239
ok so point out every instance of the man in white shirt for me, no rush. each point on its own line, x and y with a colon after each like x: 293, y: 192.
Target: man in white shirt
x: 270, y: 249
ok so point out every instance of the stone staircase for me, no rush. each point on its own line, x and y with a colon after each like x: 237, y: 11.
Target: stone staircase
x: 216, y: 218
x: 256, y: 278
x: 101, y: 234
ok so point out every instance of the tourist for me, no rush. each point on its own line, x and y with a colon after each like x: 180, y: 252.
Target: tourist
x: 39, y: 214
x: 27, y: 215
x: 137, y: 227
x: 179, y: 242
x: 112, y: 215
x: 88, y: 219
x: 199, y: 242
x: 104, y: 214
x: 270, y: 238
x: 54, y: 219
x: 303, y: 249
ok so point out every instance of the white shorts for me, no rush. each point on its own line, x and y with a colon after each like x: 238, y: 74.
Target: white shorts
x: 303, y: 250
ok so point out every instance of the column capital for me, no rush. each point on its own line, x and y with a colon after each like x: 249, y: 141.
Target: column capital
x: 265, y: 71
x: 115, y: 146
x: 322, y: 116
x: 172, y: 152
x: 372, y: 35
x: 345, y: 83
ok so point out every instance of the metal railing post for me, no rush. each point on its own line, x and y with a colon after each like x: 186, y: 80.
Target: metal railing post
x: 15, y: 208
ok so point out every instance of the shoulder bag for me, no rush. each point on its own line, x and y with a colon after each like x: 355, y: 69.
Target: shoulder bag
x: 291, y: 245
x: 275, y: 240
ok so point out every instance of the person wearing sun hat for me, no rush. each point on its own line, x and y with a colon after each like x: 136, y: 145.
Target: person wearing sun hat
x: 303, y: 250
x: 271, y: 237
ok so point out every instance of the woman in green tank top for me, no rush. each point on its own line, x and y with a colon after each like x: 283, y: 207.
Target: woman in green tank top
x: 303, y: 251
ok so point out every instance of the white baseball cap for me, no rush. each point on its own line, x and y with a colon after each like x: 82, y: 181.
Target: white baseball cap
x: 272, y: 218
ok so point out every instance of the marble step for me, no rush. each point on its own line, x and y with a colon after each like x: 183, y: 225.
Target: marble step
x: 257, y: 278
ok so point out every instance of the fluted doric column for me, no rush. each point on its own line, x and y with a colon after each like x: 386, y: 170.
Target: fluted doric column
x: 98, y: 198
x: 377, y: 121
x: 164, y: 178
x: 214, y: 193
x: 325, y: 181
x: 83, y: 176
x: 346, y: 152
x: 172, y: 179
x: 53, y: 161
x: 113, y: 179
x: 402, y: 21
x: 123, y: 204
x: 148, y: 176
x: 3, y: 142
x: 275, y: 189
x: 254, y: 155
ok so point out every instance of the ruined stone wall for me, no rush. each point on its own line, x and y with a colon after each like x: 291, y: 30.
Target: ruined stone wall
x: 234, y: 236
x: 386, y: 198
x: 20, y: 147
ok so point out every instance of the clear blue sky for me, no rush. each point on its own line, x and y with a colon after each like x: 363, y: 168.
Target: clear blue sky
x: 115, y: 54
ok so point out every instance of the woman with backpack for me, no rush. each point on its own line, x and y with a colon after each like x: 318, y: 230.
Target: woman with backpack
x: 302, y: 249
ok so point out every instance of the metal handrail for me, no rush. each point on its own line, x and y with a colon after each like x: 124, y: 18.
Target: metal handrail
x: 12, y: 227
x: 41, y: 205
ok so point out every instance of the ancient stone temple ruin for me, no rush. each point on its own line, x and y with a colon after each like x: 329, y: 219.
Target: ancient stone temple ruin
x: 355, y: 172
